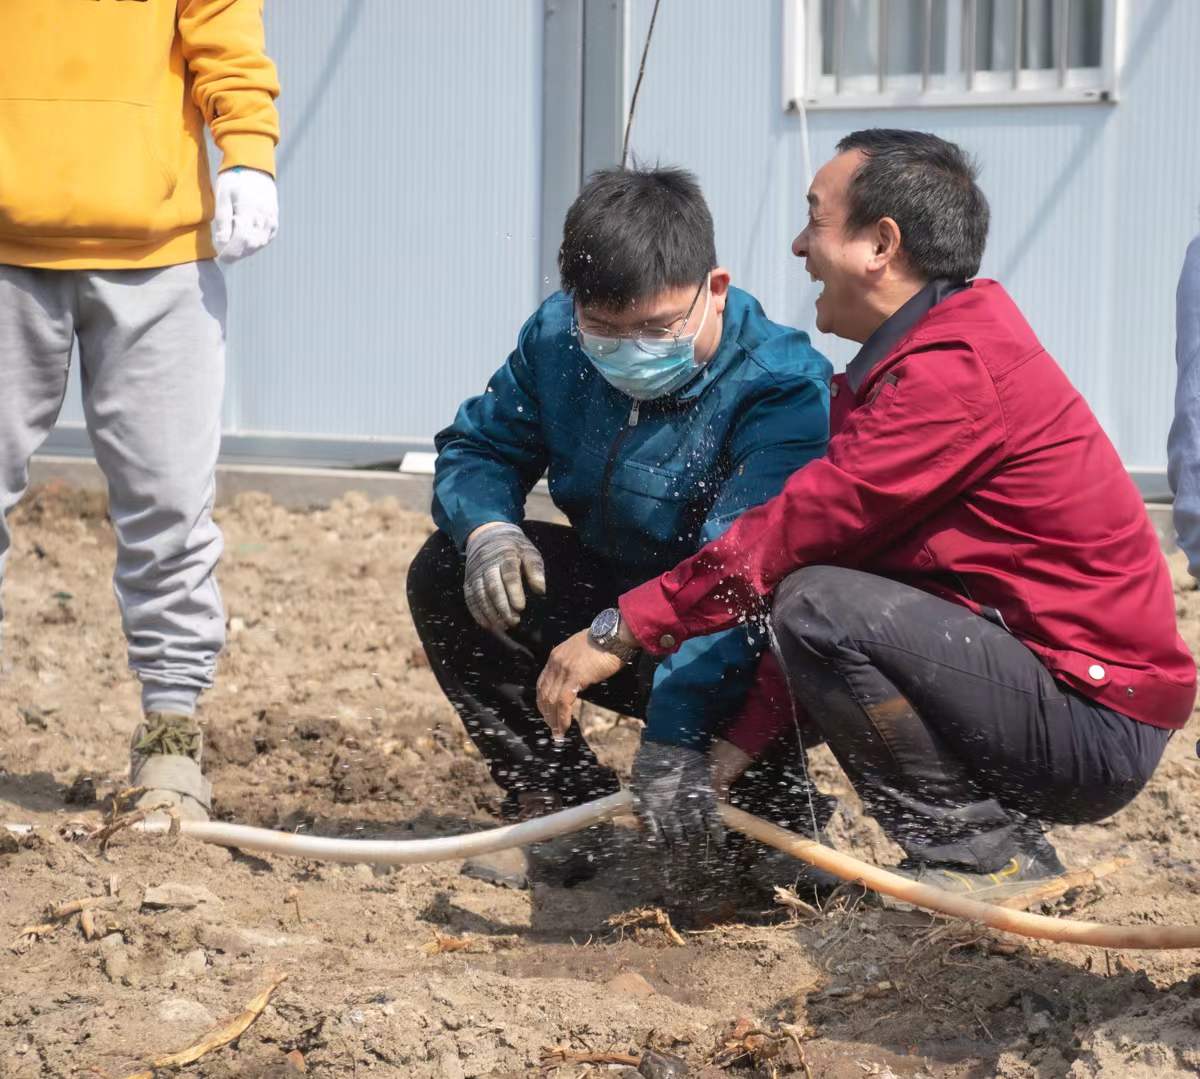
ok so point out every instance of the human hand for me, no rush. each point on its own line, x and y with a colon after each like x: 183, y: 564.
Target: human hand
x: 674, y: 796
x: 247, y: 215
x: 573, y: 666
x: 499, y: 557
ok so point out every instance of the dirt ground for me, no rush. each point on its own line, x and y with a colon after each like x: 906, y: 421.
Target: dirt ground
x: 326, y: 718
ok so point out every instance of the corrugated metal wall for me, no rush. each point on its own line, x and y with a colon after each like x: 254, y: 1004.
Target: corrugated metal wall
x: 410, y: 186
x: 407, y: 256
x: 1092, y: 205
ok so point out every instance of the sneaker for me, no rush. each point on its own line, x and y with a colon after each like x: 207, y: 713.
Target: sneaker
x: 164, y: 757
x: 1028, y: 869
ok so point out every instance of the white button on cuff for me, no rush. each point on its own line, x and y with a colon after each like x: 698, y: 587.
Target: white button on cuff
x: 1095, y: 671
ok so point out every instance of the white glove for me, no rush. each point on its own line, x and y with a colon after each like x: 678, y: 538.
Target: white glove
x: 247, y: 215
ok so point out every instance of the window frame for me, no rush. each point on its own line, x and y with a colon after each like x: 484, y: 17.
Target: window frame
x: 807, y: 88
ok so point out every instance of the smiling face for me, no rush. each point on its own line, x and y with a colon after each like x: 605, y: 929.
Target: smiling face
x: 845, y: 263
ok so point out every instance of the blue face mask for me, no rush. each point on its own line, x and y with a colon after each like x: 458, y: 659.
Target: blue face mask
x: 644, y: 367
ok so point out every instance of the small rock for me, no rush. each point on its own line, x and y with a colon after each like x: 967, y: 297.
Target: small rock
x: 179, y: 1011
x: 195, y: 963
x: 656, y: 1065
x: 364, y: 872
x: 8, y: 842
x: 224, y: 939
x: 172, y: 896
x: 111, y: 943
x: 115, y: 960
x: 629, y: 983
x: 450, y: 1067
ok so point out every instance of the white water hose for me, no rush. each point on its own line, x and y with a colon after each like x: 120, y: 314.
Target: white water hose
x: 447, y: 848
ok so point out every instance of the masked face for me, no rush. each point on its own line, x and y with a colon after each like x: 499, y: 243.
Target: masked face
x: 651, y: 363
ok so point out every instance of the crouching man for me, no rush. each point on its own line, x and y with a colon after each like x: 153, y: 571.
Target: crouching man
x: 660, y: 402
x: 979, y: 621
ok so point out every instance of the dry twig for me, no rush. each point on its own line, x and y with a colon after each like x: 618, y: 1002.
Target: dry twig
x: 31, y: 933
x: 1059, y: 886
x: 222, y: 1035
x: 785, y: 897
x: 76, y: 906
x: 61, y: 914
x: 746, y: 1041
x: 104, y: 834
x: 644, y: 917
x: 443, y: 942
x: 559, y: 1056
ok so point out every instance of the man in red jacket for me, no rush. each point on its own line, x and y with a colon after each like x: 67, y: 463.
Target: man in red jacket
x: 978, y: 621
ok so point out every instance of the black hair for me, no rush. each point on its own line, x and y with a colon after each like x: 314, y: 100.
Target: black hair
x: 633, y: 233
x: 927, y: 186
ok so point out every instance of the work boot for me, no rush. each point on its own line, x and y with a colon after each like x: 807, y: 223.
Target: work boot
x: 1036, y: 863
x: 563, y: 862
x: 164, y: 757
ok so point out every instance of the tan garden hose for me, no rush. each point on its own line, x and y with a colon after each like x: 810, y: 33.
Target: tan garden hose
x: 413, y: 851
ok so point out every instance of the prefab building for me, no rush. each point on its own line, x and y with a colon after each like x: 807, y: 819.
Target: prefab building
x: 430, y: 150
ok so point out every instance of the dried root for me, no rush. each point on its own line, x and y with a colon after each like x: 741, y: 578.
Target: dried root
x: 61, y: 914
x: 645, y: 917
x: 559, y: 1057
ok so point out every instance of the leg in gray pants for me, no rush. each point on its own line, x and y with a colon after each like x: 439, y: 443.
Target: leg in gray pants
x: 152, y: 352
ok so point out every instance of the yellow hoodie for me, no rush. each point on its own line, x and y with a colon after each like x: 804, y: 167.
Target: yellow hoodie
x: 102, y: 112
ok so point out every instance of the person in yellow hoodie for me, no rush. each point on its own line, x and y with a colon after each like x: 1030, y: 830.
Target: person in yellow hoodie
x: 109, y: 229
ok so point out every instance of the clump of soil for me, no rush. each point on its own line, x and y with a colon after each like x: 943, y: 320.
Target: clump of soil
x: 326, y: 718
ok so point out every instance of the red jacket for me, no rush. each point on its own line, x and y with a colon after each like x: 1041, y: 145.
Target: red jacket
x: 962, y: 462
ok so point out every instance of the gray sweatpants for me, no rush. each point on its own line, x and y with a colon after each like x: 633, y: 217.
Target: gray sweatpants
x: 152, y: 362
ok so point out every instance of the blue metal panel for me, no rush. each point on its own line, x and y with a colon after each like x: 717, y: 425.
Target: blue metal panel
x: 410, y: 188
x: 1092, y: 205
x: 409, y: 185
x: 407, y: 258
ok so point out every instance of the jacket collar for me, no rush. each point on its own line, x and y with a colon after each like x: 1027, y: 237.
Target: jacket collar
x: 894, y: 329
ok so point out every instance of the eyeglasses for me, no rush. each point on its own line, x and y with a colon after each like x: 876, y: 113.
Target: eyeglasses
x: 651, y: 340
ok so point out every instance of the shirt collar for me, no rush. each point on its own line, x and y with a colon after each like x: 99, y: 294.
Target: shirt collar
x: 897, y: 327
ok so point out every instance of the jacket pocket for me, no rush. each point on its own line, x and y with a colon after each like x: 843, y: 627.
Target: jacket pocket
x: 80, y: 168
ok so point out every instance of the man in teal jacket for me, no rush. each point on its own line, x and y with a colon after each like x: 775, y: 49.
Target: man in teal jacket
x: 660, y: 403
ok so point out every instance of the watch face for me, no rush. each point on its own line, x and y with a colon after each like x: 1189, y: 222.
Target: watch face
x: 605, y: 625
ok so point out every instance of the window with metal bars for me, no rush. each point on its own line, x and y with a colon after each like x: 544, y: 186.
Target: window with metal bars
x: 904, y: 53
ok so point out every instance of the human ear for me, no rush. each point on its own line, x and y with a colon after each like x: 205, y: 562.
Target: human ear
x: 885, y: 243
x: 718, y: 283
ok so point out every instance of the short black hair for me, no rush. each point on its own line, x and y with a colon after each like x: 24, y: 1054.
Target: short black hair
x: 633, y: 233
x: 927, y: 186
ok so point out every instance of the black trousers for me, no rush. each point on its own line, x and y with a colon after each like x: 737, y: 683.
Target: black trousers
x: 493, y: 685
x: 955, y: 736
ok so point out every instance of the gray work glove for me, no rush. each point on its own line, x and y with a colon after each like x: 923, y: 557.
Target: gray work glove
x: 674, y: 797
x: 497, y: 560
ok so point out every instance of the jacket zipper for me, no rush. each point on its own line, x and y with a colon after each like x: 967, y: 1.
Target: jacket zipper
x: 613, y: 449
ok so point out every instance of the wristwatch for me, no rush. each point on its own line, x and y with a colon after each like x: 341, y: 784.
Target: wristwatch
x: 605, y: 634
